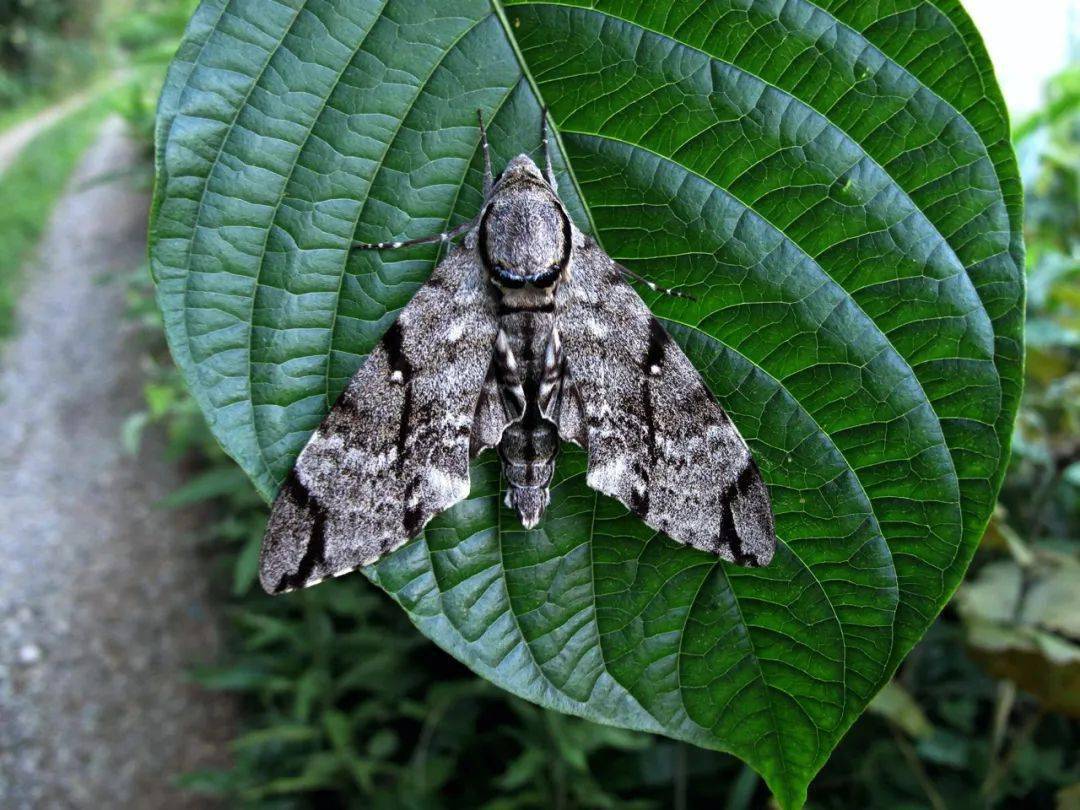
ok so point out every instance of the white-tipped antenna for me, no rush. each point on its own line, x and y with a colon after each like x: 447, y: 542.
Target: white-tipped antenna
x: 445, y: 236
x: 489, y: 178
x: 652, y: 285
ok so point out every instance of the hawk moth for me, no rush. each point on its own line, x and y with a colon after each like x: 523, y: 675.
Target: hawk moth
x: 526, y: 334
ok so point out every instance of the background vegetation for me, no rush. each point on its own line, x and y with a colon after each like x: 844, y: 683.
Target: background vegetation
x: 46, y: 47
x: 108, y: 58
x: 345, y: 704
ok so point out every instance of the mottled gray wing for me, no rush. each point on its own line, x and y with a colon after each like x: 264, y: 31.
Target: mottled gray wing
x: 656, y: 438
x: 394, y: 450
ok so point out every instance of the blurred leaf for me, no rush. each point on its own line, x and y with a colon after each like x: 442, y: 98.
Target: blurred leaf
x: 845, y: 212
x: 238, y: 679
x: 742, y: 791
x: 943, y: 748
x: 525, y: 769
x: 896, y: 704
x: 206, y: 782
x: 1000, y: 536
x: 382, y: 744
x: 339, y: 729
x: 131, y: 432
x: 1045, y: 333
x: 1072, y: 474
x: 276, y: 735
x: 1062, y: 105
x: 246, y: 567
x: 1025, y: 626
x: 1069, y: 798
x: 321, y: 770
x: 204, y: 487
x: 159, y: 399
x: 310, y: 689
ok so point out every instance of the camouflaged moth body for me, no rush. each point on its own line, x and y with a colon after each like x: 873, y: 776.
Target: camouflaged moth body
x: 527, y: 334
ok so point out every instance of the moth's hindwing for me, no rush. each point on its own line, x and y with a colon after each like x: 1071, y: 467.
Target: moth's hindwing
x: 394, y: 450
x: 656, y: 438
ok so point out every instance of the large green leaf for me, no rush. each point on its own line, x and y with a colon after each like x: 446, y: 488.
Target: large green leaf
x: 832, y: 180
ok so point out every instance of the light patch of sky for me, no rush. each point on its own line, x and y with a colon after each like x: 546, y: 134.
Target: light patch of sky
x: 1029, y: 42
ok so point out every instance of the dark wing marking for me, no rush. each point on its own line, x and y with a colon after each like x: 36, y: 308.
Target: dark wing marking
x: 656, y: 438
x: 394, y: 450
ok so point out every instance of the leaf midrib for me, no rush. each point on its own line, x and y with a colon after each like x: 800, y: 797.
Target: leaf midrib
x: 523, y: 66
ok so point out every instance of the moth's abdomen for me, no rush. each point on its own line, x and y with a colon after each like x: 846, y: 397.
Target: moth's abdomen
x: 530, y: 443
x: 528, y: 450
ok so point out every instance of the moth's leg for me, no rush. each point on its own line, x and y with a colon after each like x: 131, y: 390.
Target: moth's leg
x: 490, y: 418
x: 509, y: 376
x: 630, y: 274
x: 489, y: 178
x: 559, y: 401
x: 545, y: 144
x: 445, y: 236
x: 552, y: 375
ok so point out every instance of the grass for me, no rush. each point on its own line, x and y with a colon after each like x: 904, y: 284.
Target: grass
x: 29, y: 190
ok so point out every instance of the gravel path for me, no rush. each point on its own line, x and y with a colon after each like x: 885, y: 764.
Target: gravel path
x: 103, y: 601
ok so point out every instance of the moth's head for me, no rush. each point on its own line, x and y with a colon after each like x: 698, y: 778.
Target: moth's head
x: 521, y: 168
x: 525, y: 235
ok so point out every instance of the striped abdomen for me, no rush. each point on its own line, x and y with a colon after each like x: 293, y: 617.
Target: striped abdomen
x: 528, y: 356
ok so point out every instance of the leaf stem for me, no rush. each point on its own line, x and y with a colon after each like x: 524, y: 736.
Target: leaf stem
x: 679, y: 799
x: 1000, y: 768
x: 913, y: 761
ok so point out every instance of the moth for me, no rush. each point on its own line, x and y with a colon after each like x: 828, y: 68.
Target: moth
x: 526, y: 334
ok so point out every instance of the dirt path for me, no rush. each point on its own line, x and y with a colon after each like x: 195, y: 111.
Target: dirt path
x: 14, y: 140
x: 103, y: 601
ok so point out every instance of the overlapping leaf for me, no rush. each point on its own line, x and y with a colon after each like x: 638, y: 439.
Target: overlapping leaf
x: 832, y: 181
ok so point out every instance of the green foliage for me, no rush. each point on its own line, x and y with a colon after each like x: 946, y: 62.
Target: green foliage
x: 852, y: 239
x: 149, y: 29
x: 44, y: 47
x: 146, y: 34
x: 28, y: 191
x: 965, y: 759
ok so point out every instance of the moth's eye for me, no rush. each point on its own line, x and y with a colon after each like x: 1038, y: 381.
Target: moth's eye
x: 502, y: 273
x: 547, y: 277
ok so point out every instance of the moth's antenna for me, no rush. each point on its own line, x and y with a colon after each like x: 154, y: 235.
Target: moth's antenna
x: 546, y: 145
x: 445, y: 236
x: 489, y: 178
x: 628, y: 273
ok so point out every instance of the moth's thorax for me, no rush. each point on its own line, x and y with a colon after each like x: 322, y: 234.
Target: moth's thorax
x: 527, y: 298
x: 525, y: 236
